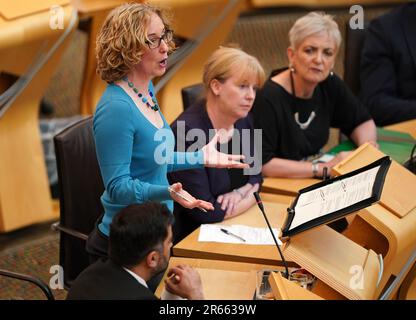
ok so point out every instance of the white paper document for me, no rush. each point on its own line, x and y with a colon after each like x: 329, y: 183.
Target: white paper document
x: 236, y: 234
x: 333, y: 197
x: 326, y: 157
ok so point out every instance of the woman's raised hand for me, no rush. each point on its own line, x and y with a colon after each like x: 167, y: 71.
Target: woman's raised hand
x: 214, y: 158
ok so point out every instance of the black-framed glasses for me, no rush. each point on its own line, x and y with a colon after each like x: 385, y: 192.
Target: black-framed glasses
x: 155, y: 42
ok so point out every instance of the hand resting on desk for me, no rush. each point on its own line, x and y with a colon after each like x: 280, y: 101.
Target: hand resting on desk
x: 185, y: 282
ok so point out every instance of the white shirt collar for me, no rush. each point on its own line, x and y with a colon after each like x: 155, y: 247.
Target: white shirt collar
x: 137, y: 277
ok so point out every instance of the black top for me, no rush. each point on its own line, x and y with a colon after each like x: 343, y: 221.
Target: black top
x: 105, y: 280
x: 388, y: 66
x: 208, y: 183
x: 274, y: 109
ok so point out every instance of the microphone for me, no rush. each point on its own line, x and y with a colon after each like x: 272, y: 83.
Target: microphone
x: 325, y: 175
x: 260, y: 204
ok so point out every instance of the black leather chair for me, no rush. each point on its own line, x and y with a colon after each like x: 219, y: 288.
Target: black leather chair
x: 191, y: 94
x: 354, y: 42
x: 31, y: 279
x: 80, y: 186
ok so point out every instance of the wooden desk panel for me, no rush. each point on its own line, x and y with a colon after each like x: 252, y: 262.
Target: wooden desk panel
x: 29, y: 50
x: 405, y: 126
x: 286, y: 186
x: 388, y: 226
x: 222, y: 280
x: 262, y: 254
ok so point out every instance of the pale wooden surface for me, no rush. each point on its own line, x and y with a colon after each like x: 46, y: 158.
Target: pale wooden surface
x: 399, y: 234
x: 222, y: 280
x: 19, y: 8
x: 92, y: 85
x: 87, y: 7
x: 405, y: 126
x: 286, y: 186
x: 378, y: 227
x: 264, y: 254
x: 24, y: 187
x: 330, y: 257
x: 322, y: 251
x: 398, y: 191
x: 277, y: 198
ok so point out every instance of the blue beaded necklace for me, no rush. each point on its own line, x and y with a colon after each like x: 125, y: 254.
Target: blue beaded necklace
x: 155, y: 106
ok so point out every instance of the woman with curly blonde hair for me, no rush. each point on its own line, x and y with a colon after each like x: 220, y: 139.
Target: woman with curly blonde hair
x: 134, y: 143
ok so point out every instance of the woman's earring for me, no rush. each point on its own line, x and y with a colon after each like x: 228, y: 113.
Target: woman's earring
x: 292, y: 69
x: 331, y: 73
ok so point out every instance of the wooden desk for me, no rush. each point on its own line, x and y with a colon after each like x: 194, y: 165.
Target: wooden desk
x: 286, y: 186
x: 387, y: 227
x: 222, y: 280
x: 322, y: 251
x: 262, y: 254
x: 405, y: 126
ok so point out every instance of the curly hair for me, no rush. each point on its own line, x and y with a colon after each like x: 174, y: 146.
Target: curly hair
x: 121, y: 41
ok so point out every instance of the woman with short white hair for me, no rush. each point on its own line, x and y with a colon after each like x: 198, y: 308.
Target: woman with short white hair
x: 298, y: 105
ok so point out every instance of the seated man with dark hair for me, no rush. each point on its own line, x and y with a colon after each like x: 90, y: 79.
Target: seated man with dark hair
x: 139, y: 248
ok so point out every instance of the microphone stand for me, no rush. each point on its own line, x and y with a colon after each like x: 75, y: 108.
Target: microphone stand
x: 260, y: 204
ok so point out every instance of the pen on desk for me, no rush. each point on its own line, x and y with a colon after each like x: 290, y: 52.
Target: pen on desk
x: 233, y: 235
x: 184, y: 198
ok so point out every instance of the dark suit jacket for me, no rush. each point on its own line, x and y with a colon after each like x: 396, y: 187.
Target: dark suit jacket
x: 207, y: 183
x: 105, y: 280
x: 388, y: 66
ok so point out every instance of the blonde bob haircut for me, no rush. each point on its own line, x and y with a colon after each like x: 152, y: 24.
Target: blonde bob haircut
x: 121, y: 41
x: 226, y: 61
x: 311, y: 24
